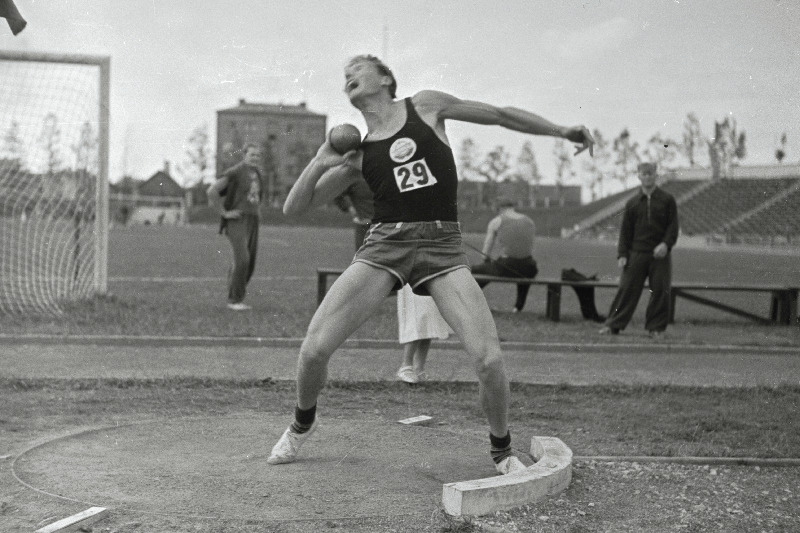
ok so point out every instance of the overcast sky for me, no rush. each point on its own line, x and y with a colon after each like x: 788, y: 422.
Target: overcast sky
x: 604, y: 63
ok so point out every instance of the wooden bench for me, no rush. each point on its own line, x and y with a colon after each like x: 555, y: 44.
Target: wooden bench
x: 783, y: 308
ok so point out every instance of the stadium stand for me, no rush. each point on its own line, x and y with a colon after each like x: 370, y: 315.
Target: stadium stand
x: 743, y: 209
x: 779, y: 220
x: 709, y: 211
x: 608, y: 226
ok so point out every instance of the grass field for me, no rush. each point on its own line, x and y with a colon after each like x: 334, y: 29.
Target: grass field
x: 167, y: 280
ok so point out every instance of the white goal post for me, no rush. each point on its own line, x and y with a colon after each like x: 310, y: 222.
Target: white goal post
x: 54, y: 144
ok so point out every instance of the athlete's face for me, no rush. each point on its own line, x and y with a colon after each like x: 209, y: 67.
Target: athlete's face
x: 362, y: 78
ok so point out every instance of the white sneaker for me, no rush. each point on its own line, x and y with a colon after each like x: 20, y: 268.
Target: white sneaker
x: 285, y: 450
x: 239, y: 307
x: 510, y: 465
x: 407, y: 374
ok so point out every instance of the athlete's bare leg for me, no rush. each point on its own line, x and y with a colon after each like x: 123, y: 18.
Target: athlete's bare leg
x: 464, y: 307
x: 352, y: 299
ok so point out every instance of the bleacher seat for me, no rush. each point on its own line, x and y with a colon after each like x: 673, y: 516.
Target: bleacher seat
x: 713, y: 208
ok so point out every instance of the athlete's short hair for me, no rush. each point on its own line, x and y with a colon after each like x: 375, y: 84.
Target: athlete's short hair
x: 382, y: 68
x: 648, y: 167
x: 506, y: 201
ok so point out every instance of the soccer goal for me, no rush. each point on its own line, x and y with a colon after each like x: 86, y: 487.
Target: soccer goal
x: 54, y: 130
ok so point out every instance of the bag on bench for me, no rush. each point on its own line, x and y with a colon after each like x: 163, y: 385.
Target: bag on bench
x: 585, y: 294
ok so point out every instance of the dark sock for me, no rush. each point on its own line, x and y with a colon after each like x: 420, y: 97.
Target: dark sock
x: 501, y: 447
x: 303, y: 419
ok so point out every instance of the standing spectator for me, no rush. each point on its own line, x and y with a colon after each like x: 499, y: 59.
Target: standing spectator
x: 515, y: 233
x: 648, y: 234
x: 418, y: 321
x: 242, y: 187
x: 357, y: 200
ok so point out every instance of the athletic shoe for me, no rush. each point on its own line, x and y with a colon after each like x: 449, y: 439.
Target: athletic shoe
x: 510, y: 465
x: 239, y: 307
x: 285, y: 450
x: 605, y: 330
x: 407, y: 374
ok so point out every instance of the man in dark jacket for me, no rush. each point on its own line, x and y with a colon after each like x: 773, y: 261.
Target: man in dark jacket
x: 243, y: 190
x: 648, y: 234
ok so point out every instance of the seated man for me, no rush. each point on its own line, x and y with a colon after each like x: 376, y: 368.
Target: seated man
x: 515, y: 233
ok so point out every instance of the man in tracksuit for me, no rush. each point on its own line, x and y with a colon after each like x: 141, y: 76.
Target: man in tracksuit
x: 648, y: 234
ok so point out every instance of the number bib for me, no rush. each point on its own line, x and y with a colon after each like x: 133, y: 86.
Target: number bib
x: 414, y: 175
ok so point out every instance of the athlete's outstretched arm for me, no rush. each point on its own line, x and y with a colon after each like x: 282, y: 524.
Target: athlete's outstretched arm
x: 446, y: 106
x: 324, y: 178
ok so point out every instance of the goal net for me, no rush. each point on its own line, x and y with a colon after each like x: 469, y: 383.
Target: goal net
x: 53, y: 180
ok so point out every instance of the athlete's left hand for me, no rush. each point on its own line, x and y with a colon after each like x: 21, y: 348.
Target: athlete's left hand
x: 580, y: 135
x: 660, y: 251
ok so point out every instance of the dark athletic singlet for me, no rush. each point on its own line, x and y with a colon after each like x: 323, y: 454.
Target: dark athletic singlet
x: 412, y: 174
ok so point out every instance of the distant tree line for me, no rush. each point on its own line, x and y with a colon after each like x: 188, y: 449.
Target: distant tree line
x: 615, y: 159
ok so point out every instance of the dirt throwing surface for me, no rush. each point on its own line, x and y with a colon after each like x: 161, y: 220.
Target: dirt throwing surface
x: 215, y: 467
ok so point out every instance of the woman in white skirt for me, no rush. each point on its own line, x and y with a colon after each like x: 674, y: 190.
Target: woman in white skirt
x: 418, y: 321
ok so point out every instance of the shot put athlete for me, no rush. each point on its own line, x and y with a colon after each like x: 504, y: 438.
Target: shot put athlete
x: 414, y: 238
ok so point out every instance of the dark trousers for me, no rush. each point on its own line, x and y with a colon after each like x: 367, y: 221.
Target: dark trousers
x: 510, y: 267
x: 243, y: 235
x: 643, y: 266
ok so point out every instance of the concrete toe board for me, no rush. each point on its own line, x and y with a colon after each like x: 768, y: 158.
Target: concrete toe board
x: 550, y: 475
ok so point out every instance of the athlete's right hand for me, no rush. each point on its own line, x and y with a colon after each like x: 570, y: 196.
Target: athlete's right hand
x: 622, y: 262
x: 329, y: 157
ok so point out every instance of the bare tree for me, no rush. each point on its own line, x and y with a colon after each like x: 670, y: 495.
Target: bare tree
x: 527, y: 168
x: 780, y: 152
x: 86, y: 160
x: 51, y: 142
x: 692, y: 138
x: 495, y: 164
x: 661, y: 150
x: 627, y: 157
x: 597, y: 166
x: 564, y: 171
x: 725, y: 147
x: 12, y: 144
x: 198, y: 157
x: 13, y: 151
x: 85, y: 149
x: 467, y: 158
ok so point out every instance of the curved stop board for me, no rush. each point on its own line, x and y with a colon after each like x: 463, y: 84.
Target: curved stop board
x: 549, y: 475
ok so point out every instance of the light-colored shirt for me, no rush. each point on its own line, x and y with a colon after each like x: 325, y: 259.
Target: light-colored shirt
x: 514, y: 233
